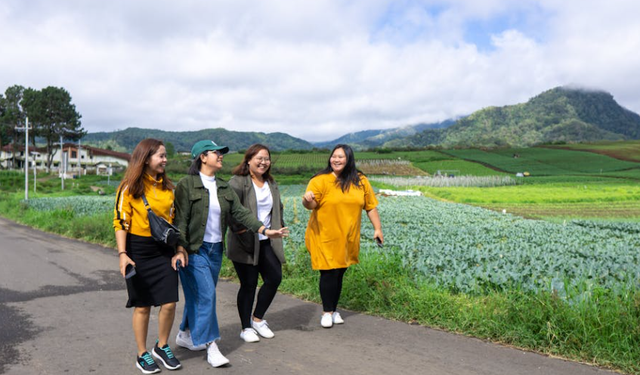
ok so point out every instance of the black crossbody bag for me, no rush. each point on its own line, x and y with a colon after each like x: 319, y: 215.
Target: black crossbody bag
x: 161, y: 230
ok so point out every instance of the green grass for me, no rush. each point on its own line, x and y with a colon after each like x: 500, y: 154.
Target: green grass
x: 556, y: 193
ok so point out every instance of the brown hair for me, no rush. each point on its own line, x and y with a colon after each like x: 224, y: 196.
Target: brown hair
x: 134, y: 175
x: 242, y: 169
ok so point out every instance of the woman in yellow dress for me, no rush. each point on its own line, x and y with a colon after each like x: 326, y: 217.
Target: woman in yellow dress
x: 337, y: 195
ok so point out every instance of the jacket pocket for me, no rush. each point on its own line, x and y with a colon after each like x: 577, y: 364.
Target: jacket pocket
x: 245, y: 240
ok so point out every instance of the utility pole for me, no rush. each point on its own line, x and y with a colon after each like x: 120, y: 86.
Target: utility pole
x: 79, y: 158
x: 61, y: 161
x: 26, y: 157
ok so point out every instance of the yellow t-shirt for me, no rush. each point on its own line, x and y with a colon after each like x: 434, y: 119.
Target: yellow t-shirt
x: 131, y: 215
x: 333, y: 231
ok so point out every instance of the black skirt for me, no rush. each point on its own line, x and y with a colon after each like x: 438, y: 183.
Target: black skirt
x: 155, y: 282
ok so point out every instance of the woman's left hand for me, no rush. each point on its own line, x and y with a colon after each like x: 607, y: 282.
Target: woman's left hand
x: 377, y: 235
x: 277, y: 233
x: 179, y: 256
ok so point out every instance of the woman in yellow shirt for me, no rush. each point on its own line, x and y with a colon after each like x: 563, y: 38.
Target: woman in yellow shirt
x: 337, y: 195
x: 156, y: 280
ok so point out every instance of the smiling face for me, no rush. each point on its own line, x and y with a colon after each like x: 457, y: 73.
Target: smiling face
x: 212, y: 161
x: 259, y: 163
x: 338, y: 161
x: 157, y: 162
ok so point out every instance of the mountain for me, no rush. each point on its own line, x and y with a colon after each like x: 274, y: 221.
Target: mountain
x: 367, y: 139
x: 126, y: 140
x: 562, y: 114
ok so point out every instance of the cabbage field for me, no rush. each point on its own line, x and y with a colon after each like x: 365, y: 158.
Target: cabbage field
x: 474, y: 250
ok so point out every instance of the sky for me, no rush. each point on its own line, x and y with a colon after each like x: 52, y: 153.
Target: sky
x: 315, y: 69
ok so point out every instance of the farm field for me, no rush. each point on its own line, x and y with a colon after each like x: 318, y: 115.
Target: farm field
x: 625, y: 150
x: 545, y: 162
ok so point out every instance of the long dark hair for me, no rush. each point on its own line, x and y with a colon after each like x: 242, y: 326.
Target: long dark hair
x: 350, y: 175
x: 196, y: 164
x: 242, y: 169
x: 134, y: 175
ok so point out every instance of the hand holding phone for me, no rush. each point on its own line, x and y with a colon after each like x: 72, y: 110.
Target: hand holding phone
x: 129, y: 271
x: 178, y: 265
x: 378, y: 242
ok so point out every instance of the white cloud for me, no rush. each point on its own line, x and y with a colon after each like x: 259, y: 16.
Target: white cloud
x: 313, y: 69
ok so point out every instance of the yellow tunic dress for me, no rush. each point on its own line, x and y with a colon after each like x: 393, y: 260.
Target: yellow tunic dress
x: 333, y: 231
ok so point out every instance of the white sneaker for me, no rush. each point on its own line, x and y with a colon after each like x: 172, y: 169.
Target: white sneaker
x: 336, y: 318
x: 262, y: 328
x: 327, y: 320
x: 249, y: 335
x: 183, y: 338
x: 214, y: 357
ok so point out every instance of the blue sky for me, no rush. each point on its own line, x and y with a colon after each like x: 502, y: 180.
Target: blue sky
x: 315, y: 69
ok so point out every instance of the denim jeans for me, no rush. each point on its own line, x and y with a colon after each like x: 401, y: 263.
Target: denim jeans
x: 199, y: 280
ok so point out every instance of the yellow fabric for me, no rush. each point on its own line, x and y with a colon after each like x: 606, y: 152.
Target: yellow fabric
x: 333, y: 232
x: 131, y: 215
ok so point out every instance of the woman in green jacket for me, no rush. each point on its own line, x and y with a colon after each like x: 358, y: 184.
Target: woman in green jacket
x: 253, y: 254
x: 204, y: 203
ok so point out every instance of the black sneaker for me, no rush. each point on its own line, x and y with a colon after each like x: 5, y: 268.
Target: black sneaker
x: 146, y: 364
x: 165, y: 355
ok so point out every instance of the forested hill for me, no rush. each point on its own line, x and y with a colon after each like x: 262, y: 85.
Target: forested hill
x: 557, y: 115
x: 367, y: 139
x: 126, y: 140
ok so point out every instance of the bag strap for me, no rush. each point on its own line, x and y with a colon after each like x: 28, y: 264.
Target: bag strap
x: 146, y: 203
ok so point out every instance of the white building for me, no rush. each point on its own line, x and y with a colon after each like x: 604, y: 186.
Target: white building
x: 87, y: 159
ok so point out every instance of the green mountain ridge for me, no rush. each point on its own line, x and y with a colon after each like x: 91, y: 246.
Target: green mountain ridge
x: 559, y: 115
x: 368, y: 139
x: 127, y: 139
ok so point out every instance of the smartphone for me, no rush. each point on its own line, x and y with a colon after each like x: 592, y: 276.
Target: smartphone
x: 129, y: 271
x: 178, y: 265
x: 378, y: 242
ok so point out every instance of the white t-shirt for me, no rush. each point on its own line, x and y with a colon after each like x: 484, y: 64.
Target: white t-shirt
x: 213, y: 232
x: 265, y: 204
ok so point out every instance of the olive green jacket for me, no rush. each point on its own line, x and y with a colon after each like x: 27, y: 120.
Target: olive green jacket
x: 192, y: 211
x: 243, y: 246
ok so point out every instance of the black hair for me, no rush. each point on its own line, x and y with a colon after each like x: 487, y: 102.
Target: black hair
x: 350, y: 175
x: 196, y: 164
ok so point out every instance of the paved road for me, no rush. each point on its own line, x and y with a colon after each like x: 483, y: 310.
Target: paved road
x: 62, y: 312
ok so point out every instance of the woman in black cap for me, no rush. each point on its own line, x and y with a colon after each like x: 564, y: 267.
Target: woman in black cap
x: 204, y: 204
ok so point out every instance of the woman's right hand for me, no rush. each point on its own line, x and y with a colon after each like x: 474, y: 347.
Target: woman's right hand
x: 124, y: 261
x: 309, y: 196
x: 309, y: 200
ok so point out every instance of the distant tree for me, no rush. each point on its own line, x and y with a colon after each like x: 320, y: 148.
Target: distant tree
x: 11, y: 116
x: 171, y: 150
x: 53, y: 115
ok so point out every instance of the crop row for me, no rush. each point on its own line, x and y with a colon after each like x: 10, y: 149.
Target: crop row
x: 458, y: 181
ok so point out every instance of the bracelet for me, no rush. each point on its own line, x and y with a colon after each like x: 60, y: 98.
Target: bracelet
x: 121, y: 252
x: 264, y: 231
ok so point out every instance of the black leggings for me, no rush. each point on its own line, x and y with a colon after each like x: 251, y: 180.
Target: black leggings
x: 270, y: 269
x: 330, y: 288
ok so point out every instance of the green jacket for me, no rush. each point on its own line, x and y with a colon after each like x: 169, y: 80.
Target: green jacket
x: 243, y: 246
x: 192, y: 211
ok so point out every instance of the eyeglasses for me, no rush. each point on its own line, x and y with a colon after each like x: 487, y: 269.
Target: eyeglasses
x: 263, y: 160
x: 218, y: 153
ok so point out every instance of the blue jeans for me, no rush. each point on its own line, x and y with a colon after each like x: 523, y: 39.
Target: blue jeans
x: 199, y: 280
